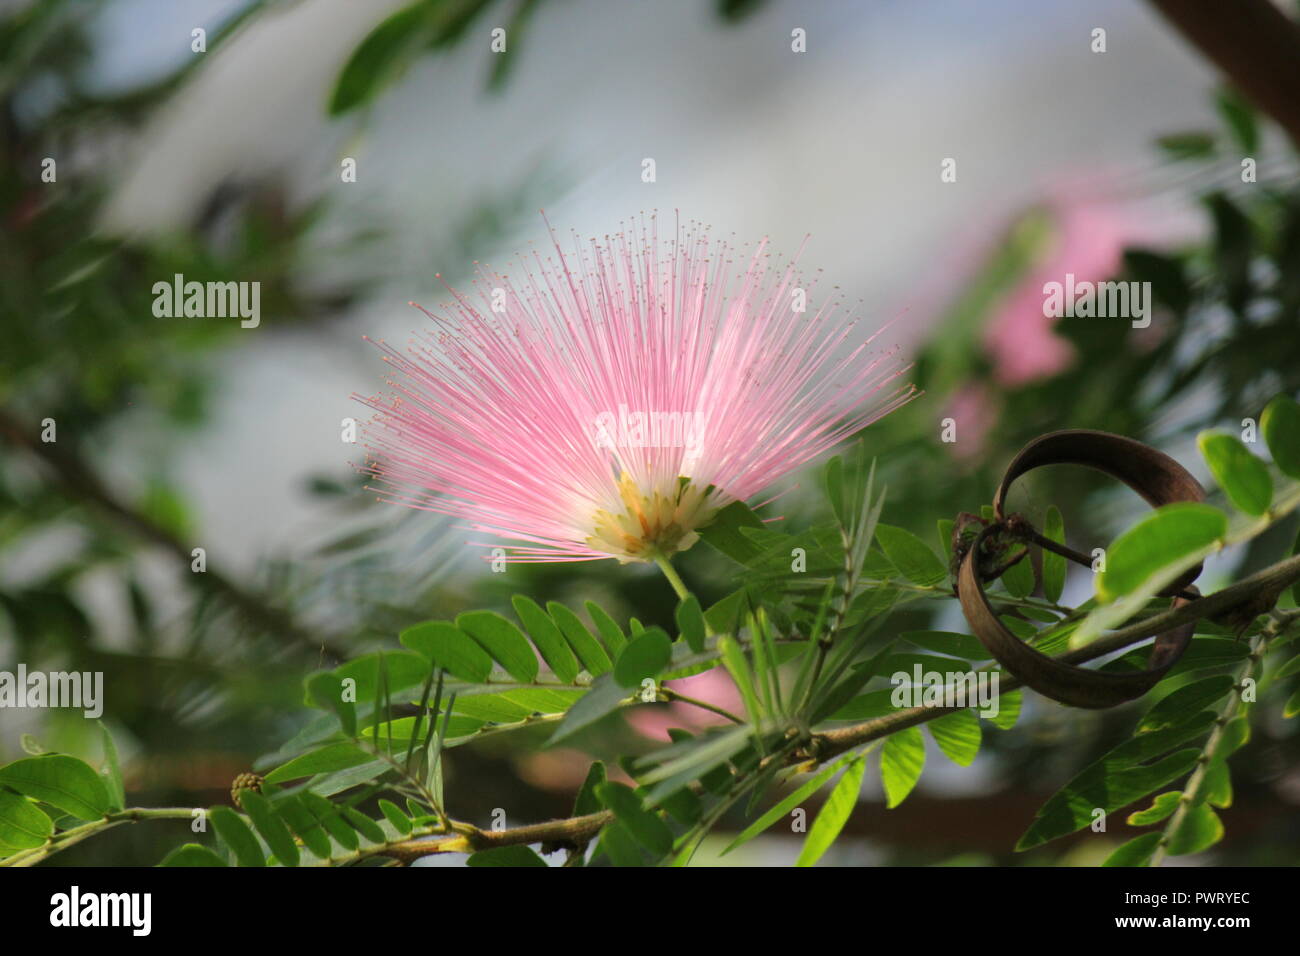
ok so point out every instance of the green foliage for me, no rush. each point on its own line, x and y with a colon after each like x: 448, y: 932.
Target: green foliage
x: 901, y: 761
x: 820, y: 614
x: 1157, y: 548
x: 913, y: 558
x: 61, y: 781
x: 833, y: 814
x: 1241, y: 475
x: 1053, y: 564
x: 1280, y: 425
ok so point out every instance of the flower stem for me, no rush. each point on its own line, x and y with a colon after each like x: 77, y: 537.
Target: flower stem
x: 671, y: 695
x: 673, y: 577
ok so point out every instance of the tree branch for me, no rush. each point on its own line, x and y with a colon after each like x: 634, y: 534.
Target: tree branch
x: 1271, y: 580
x: 83, y: 484
x: 831, y: 743
x: 1254, y: 43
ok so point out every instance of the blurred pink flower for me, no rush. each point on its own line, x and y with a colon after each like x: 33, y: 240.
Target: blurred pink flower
x: 1088, y: 241
x: 713, y: 687
x: 973, y: 411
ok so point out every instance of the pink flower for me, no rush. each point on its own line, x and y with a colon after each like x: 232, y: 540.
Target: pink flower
x: 974, y: 411
x: 611, y: 402
x: 1088, y: 242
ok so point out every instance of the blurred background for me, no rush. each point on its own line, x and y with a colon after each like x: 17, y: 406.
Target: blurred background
x: 343, y: 153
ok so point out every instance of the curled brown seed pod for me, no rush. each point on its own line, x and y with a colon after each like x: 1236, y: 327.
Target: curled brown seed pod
x: 1158, y: 479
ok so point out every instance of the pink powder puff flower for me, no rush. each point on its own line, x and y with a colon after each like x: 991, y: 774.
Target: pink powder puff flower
x: 614, y: 400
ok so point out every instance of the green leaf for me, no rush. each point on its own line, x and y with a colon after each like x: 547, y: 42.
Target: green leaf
x: 235, y: 833
x: 1053, y: 563
x: 584, y: 645
x: 304, y: 823
x: 325, y: 690
x: 192, y: 854
x: 22, y: 824
x: 646, y: 656
x: 723, y: 532
x: 912, y: 556
x: 1008, y: 710
x: 876, y: 703
x: 1194, y: 145
x: 1236, y: 734
x: 727, y: 613
x: 783, y: 809
x: 646, y: 827
x: 1292, y: 705
x: 367, y: 827
x: 958, y: 736
x: 504, y: 62
x: 1233, y: 249
x: 330, y: 819
x: 613, y: 636
x: 450, y: 648
x: 945, y: 536
x: 683, y: 806
x: 733, y: 658
x: 269, y: 824
x: 950, y: 643
x: 1123, y: 776
x: 1185, y: 701
x: 1240, y: 474
x: 1204, y: 653
x: 1216, y: 786
x: 331, y: 757
x: 901, y: 761
x: 1019, y: 578
x: 1161, y: 807
x: 1240, y: 118
x: 690, y: 623
x: 65, y: 782
x: 458, y: 725
x: 604, y: 698
x: 1290, y: 667
x: 376, y: 60
x: 1136, y: 852
x: 1170, y: 535
x: 620, y: 846
x: 546, y: 635
x: 401, y: 670
x: 1199, y: 829
x: 394, y: 815
x: 835, y: 812
x: 112, y: 770
x: 506, y: 856
x: 505, y: 642
x: 703, y: 759
x: 1280, y: 425
x: 586, y: 801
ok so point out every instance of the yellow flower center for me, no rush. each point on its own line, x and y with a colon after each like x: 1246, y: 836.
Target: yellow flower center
x: 652, y: 524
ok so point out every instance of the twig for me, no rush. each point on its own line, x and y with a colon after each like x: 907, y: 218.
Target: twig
x: 82, y: 484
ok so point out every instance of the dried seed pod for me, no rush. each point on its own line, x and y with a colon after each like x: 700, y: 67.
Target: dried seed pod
x: 1158, y: 479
